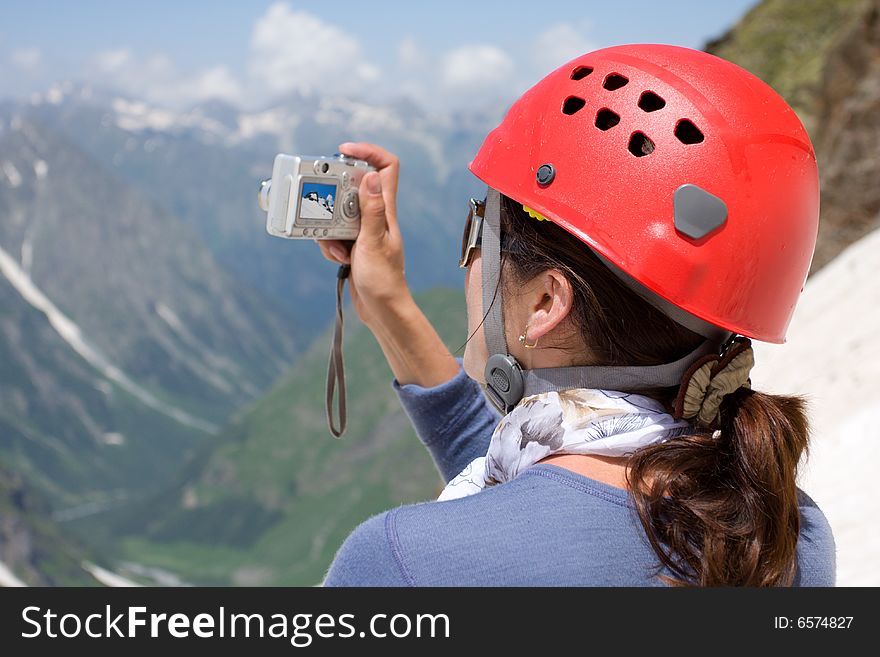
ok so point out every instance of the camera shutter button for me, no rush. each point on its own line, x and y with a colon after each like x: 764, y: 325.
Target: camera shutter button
x: 350, y: 204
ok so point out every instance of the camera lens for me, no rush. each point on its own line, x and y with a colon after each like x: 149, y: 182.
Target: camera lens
x: 325, y: 167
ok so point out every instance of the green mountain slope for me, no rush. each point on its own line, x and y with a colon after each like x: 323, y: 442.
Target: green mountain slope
x: 787, y: 44
x: 275, y: 499
x: 75, y: 436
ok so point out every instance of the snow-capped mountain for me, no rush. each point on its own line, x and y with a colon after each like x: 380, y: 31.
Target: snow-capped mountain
x: 204, y: 166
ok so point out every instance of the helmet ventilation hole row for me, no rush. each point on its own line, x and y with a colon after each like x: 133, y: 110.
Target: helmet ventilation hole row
x: 639, y: 143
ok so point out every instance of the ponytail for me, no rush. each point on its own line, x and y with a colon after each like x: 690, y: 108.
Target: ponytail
x: 720, y: 508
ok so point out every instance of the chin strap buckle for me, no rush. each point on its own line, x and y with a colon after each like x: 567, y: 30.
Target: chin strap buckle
x: 504, y: 382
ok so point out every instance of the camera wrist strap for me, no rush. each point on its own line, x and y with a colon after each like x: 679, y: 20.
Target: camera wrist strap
x: 336, y: 368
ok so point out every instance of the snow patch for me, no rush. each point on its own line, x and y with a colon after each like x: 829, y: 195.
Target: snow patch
x: 358, y: 116
x: 55, y: 95
x: 8, y: 578
x: 158, y: 575
x: 12, y: 174
x: 108, y: 578
x: 113, y: 438
x: 71, y: 333
x: 214, y: 378
x: 27, y: 255
x: 137, y: 116
x: 832, y: 357
x: 169, y: 316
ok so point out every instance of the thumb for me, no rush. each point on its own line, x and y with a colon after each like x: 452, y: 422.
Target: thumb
x: 372, y: 205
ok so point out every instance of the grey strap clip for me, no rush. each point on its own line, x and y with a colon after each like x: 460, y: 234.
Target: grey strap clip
x: 336, y: 367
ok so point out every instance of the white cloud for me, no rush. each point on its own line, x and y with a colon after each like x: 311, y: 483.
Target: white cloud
x: 112, y: 61
x: 477, y: 66
x: 27, y: 59
x: 294, y: 50
x: 158, y: 79
x: 217, y: 82
x: 559, y: 44
x: 410, y: 55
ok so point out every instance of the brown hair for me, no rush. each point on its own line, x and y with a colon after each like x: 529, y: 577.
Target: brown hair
x: 718, y: 508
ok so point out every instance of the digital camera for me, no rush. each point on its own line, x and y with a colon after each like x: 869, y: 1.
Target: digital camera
x: 313, y: 197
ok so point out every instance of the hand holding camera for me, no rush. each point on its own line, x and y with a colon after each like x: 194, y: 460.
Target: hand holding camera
x: 301, y: 203
x: 339, y: 201
x: 378, y: 287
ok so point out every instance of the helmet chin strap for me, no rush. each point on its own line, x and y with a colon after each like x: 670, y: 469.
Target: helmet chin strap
x: 507, y: 382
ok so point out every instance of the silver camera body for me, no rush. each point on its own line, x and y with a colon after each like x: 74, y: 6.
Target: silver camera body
x: 313, y: 197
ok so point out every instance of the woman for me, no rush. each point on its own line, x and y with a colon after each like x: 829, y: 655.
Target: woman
x: 649, y: 209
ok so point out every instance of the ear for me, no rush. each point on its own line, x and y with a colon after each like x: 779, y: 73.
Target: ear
x: 550, y: 298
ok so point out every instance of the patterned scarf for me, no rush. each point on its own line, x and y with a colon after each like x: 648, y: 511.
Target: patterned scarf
x: 578, y: 421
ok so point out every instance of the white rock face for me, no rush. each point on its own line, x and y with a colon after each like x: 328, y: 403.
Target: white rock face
x: 833, y: 358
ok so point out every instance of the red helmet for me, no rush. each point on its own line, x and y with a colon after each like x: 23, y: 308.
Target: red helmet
x: 685, y: 171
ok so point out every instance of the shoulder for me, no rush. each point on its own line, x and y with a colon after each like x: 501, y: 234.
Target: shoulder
x: 543, y: 528
x: 369, y: 556
x: 816, y: 548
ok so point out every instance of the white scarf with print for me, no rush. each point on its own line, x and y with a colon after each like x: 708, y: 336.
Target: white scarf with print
x: 578, y: 421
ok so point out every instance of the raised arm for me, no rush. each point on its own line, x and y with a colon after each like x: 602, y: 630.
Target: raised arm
x: 447, y: 409
x: 378, y: 287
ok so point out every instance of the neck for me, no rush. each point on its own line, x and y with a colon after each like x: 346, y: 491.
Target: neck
x: 609, y: 470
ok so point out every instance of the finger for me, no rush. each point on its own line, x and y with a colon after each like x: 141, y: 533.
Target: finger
x: 374, y: 223
x: 335, y: 251
x: 376, y: 156
x: 387, y: 164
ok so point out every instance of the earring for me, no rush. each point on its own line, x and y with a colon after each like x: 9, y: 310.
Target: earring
x: 522, y: 341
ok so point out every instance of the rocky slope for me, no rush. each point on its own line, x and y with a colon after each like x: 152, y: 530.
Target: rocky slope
x: 824, y: 58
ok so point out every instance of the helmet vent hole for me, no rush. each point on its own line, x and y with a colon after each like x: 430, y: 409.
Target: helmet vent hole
x: 688, y: 133
x: 614, y: 81
x: 573, y: 104
x: 581, y: 72
x: 640, y: 145
x: 651, y: 102
x: 606, y: 119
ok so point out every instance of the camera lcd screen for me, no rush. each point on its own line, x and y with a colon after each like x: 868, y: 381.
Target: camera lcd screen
x: 317, y: 201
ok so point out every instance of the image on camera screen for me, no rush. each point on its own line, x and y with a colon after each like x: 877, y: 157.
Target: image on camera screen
x: 317, y: 201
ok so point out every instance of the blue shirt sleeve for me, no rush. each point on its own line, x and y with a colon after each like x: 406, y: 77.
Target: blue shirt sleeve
x: 454, y: 420
x: 369, y: 557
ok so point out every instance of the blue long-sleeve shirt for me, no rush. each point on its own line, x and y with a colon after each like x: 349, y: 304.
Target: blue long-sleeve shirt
x: 547, y: 527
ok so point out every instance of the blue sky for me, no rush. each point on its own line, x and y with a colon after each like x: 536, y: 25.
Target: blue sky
x: 322, y: 190
x: 178, y: 53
